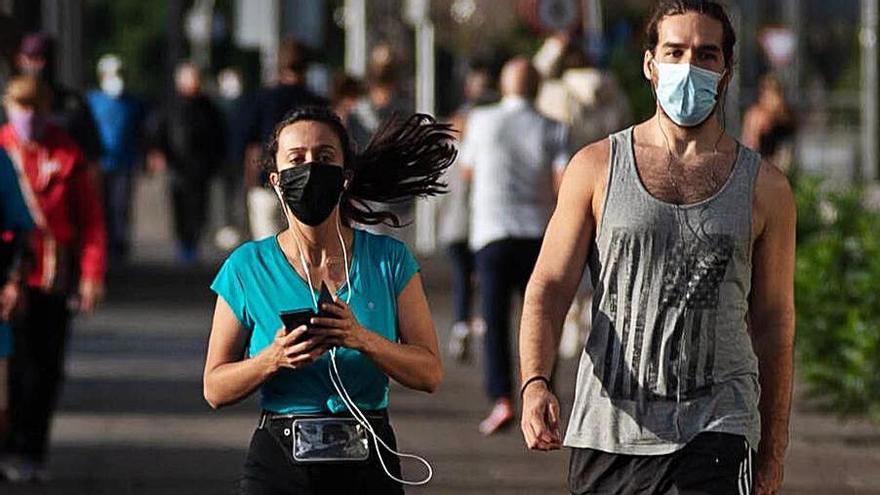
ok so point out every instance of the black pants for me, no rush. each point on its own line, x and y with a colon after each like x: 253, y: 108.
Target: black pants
x: 462, y: 280
x: 117, y: 206
x: 710, y: 464
x: 271, y: 470
x: 36, y: 370
x: 190, y: 200
x: 502, y: 267
x: 233, y: 203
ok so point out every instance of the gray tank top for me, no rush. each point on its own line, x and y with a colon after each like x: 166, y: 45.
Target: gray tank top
x: 669, y: 354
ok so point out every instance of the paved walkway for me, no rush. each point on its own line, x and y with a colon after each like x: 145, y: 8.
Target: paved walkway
x: 133, y: 420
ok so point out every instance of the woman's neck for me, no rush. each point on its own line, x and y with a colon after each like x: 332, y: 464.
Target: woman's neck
x: 319, y: 242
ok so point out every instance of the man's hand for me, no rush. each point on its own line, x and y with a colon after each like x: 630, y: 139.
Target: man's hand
x: 9, y: 300
x: 91, y: 293
x: 768, y: 475
x: 540, y: 417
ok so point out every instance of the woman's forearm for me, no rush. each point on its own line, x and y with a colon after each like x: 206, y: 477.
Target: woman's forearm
x: 410, y: 365
x: 229, y: 383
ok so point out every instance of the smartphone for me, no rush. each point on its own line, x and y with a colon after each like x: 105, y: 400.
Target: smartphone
x: 294, y: 319
x: 325, y: 297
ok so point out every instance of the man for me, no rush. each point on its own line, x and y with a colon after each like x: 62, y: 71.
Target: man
x: 454, y: 220
x: 587, y: 98
x: 69, y: 110
x: 690, y: 241
x: 268, y: 109
x: 119, y: 116
x: 69, y: 247
x: 384, y: 97
x: 230, y: 87
x: 514, y: 156
x: 187, y: 138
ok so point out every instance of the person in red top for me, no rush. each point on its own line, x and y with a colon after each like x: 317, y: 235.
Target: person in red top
x: 69, y: 245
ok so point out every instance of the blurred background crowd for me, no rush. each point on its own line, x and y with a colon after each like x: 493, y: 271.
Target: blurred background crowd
x: 185, y: 92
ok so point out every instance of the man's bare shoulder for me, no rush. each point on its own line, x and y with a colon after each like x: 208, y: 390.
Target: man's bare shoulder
x: 772, y: 184
x: 591, y: 162
x: 773, y: 194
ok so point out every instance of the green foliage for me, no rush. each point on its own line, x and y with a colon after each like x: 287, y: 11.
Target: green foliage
x: 133, y: 30
x: 837, y: 287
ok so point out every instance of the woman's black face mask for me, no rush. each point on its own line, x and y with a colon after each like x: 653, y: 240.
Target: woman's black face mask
x: 311, y: 190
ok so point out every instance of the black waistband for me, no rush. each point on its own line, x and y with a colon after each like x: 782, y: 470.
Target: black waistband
x: 270, y: 416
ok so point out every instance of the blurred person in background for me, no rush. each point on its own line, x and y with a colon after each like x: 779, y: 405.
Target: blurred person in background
x: 15, y: 226
x: 769, y: 125
x: 592, y: 103
x: 230, y: 100
x: 383, y: 96
x: 69, y: 111
x: 685, y: 381
x: 271, y: 104
x: 588, y: 99
x: 187, y: 139
x: 454, y: 218
x: 69, y: 246
x: 514, y: 157
x: 377, y: 326
x: 119, y: 116
x: 10, y: 40
x: 383, y: 99
x: 346, y: 94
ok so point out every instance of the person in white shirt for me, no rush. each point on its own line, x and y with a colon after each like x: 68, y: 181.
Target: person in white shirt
x: 514, y: 157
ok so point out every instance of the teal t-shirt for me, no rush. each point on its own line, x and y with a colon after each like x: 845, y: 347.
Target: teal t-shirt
x: 15, y: 217
x: 258, y: 283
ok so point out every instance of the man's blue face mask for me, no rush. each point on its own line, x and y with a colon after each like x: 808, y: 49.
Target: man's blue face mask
x: 687, y: 93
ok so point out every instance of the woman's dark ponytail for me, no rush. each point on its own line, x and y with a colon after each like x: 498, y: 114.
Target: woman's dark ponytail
x: 405, y: 159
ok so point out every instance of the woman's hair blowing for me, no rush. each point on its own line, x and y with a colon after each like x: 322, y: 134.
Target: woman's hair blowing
x: 406, y: 158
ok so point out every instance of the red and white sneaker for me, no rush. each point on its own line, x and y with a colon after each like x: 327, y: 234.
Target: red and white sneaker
x: 501, y: 417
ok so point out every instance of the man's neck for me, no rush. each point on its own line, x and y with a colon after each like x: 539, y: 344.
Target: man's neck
x: 686, y: 141
x: 289, y: 78
x: 513, y: 99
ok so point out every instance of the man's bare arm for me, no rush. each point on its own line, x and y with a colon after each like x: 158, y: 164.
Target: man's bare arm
x: 551, y: 288
x: 772, y: 319
x: 561, y: 263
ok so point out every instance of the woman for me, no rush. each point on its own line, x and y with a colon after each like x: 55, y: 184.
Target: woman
x: 69, y: 247
x: 769, y: 125
x: 379, y: 325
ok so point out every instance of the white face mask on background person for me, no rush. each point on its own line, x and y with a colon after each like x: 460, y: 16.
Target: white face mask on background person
x: 113, y: 86
x: 688, y: 94
x: 230, y: 86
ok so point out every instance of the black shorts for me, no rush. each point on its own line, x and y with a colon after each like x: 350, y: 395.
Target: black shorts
x: 711, y: 464
x: 271, y: 470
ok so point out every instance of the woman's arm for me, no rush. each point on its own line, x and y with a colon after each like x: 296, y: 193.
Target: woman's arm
x: 228, y: 377
x: 415, y: 361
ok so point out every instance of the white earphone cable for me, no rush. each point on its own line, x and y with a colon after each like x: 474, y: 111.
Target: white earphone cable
x: 336, y: 377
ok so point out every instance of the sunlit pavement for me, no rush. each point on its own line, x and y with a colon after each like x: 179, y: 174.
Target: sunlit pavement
x: 132, y: 419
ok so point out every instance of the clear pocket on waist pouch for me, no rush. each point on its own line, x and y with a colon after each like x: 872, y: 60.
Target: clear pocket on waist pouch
x: 329, y: 439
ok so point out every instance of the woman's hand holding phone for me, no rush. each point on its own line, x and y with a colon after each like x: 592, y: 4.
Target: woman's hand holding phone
x: 295, y: 349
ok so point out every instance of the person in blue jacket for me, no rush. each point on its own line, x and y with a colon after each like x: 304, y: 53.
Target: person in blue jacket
x: 324, y: 380
x: 119, y: 116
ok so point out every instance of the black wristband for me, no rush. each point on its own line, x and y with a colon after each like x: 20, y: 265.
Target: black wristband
x: 536, y: 378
